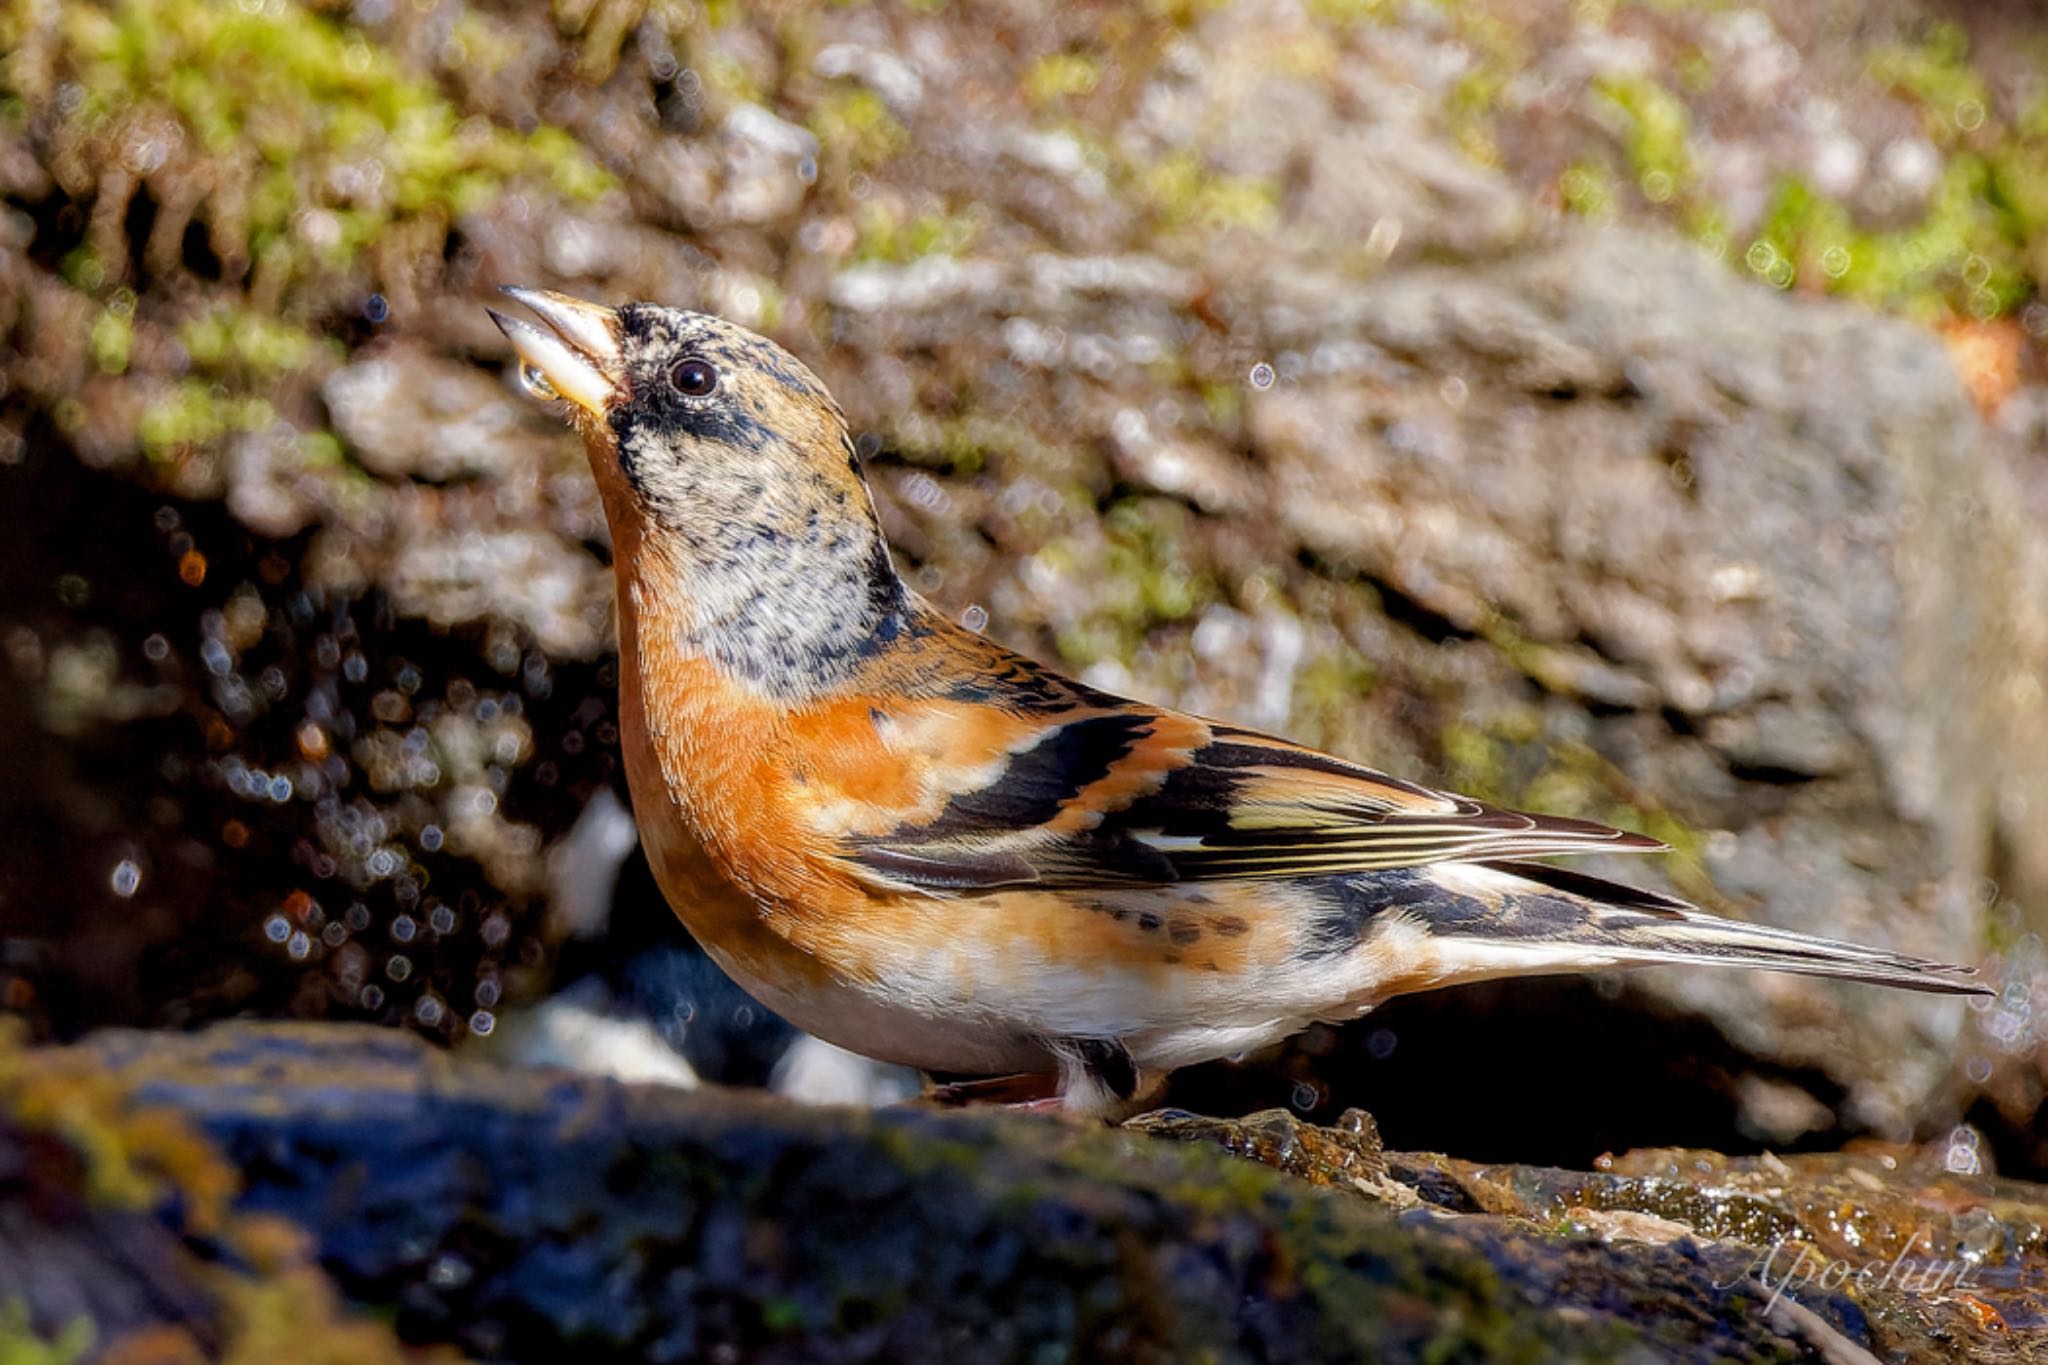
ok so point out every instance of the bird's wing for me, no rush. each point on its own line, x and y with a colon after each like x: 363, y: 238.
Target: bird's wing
x: 1115, y: 794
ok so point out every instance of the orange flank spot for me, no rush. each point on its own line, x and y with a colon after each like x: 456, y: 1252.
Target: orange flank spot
x: 1020, y: 935
x: 234, y: 834
x: 192, y: 568
x: 1153, y: 928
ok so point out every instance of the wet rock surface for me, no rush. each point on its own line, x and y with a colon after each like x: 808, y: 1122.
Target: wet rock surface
x: 1930, y: 1263
x: 520, y: 1214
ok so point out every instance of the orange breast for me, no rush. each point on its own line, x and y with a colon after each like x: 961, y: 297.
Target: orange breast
x: 700, y: 759
x: 743, y: 801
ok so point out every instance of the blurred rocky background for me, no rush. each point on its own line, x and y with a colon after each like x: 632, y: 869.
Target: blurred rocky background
x: 1635, y: 411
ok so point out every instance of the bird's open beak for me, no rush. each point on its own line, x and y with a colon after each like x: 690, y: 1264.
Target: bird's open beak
x: 578, y: 356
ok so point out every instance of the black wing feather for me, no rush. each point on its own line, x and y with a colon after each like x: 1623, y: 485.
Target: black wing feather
x: 1235, y: 806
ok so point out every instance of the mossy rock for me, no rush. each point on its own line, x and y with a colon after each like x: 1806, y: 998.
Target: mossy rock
x: 522, y: 1215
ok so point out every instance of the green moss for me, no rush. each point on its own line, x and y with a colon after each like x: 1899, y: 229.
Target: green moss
x: 1937, y: 72
x: 727, y: 78
x: 1209, y: 1180
x: 195, y: 413
x: 1655, y: 128
x: 480, y: 44
x: 1686, y: 863
x: 1148, y: 538
x: 856, y: 127
x: 1334, y: 680
x: 275, y: 1302
x: 1497, y: 53
x: 83, y: 269
x: 562, y: 160
x: 1183, y: 194
x: 1347, y: 12
x: 1478, y: 759
x: 1966, y: 255
x: 291, y: 1311
x: 1979, y: 248
x: 961, y: 444
x: 1182, y: 191
x: 1658, y: 136
x: 273, y: 100
x: 720, y: 14
x: 113, y: 334
x: 1586, y: 189
x: 924, y: 1151
x: 601, y: 28
x: 1695, y: 71
x: 1224, y: 404
x: 321, y: 448
x: 1141, y: 579
x: 884, y: 234
x: 238, y: 341
x: 1060, y: 76
x: 1505, y: 759
x: 772, y: 301
x: 1471, y: 105
x: 318, y: 146
x: 132, y: 1157
x: 19, y: 1344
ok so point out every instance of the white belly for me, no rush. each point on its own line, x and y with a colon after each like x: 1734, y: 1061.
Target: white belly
x: 963, y: 1043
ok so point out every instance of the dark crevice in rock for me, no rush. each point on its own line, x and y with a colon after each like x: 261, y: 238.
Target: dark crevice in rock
x: 1555, y: 1072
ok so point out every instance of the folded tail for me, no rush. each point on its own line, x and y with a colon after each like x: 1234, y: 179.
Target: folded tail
x: 1511, y: 918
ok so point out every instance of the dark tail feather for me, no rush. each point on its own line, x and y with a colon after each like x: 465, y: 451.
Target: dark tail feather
x: 1591, y: 922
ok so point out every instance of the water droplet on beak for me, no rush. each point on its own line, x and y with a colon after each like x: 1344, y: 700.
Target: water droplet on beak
x: 536, y: 383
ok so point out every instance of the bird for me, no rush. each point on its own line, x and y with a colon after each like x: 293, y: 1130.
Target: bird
x: 932, y: 850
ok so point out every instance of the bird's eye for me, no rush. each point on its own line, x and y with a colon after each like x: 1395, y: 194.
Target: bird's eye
x: 693, y: 378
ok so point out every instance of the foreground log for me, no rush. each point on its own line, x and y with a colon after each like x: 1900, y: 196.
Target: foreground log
x: 520, y: 1215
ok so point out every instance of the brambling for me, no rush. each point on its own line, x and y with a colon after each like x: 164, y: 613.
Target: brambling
x: 925, y: 848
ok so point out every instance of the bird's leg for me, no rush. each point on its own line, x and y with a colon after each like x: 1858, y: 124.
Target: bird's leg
x: 1099, y: 1079
x: 1026, y: 1090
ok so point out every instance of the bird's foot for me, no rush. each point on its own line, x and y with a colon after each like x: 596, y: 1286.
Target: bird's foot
x: 1030, y: 1090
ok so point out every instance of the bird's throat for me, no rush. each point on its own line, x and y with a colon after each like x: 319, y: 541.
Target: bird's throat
x: 787, y: 615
